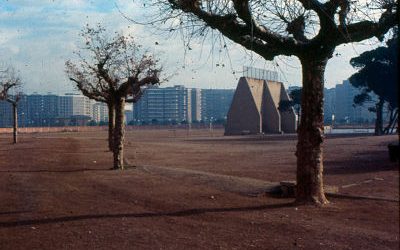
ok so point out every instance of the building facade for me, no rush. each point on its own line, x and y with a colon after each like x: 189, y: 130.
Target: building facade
x: 38, y: 110
x: 329, y: 105
x: 178, y: 104
x: 345, y: 111
x: 164, y: 105
x: 100, y: 112
x: 196, y: 104
x: 215, y: 104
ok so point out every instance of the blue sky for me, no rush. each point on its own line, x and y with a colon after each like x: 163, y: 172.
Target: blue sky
x: 38, y: 36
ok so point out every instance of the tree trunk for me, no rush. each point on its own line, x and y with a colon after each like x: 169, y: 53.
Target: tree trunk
x: 395, y: 120
x: 119, y: 133
x: 310, y: 134
x: 298, y: 117
x: 15, y: 125
x: 379, y: 120
x: 111, y: 124
x: 392, y: 121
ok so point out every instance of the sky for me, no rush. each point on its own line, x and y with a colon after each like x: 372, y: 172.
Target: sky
x: 38, y: 36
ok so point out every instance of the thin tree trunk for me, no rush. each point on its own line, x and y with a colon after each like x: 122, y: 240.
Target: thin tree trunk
x: 298, y: 116
x: 392, y: 120
x: 395, y: 120
x: 379, y: 120
x: 15, y: 125
x: 310, y: 134
x: 111, y: 124
x: 119, y: 134
x: 387, y: 127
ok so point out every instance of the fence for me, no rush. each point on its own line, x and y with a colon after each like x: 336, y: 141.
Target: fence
x: 100, y: 128
x: 53, y: 129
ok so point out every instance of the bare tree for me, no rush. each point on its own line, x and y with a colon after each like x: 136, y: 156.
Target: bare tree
x: 10, y: 85
x: 113, y: 70
x: 307, y: 29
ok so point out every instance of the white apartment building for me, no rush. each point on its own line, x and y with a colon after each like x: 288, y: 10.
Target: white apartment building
x: 74, y: 105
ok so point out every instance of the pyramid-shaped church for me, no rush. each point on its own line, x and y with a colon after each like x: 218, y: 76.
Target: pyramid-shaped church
x: 255, y: 108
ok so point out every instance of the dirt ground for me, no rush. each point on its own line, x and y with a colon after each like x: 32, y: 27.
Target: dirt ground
x: 191, y: 190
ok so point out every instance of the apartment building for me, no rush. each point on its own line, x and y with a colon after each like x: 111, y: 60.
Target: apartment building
x: 164, y: 105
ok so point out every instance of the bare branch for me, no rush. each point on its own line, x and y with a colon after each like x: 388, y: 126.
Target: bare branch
x: 366, y: 29
x: 10, y: 81
x: 110, y: 68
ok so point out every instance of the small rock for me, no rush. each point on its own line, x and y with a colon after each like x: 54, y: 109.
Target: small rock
x: 212, y: 197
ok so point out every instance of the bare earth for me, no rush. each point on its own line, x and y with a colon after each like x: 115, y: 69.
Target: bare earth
x: 196, y: 190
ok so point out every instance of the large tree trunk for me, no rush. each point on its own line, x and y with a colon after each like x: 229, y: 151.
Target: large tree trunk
x: 119, y: 134
x: 15, y: 125
x: 310, y: 134
x: 111, y: 124
x: 379, y: 120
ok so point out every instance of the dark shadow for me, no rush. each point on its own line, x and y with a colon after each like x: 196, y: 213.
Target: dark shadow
x: 347, y: 135
x: 59, y: 150
x: 14, y: 212
x: 357, y: 197
x: 55, y: 171
x: 363, y: 162
x: 247, y: 138
x: 188, y: 212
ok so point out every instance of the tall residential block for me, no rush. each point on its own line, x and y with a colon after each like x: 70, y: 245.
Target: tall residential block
x: 100, y: 112
x: 345, y: 111
x: 164, y: 105
x: 215, y: 104
x: 196, y: 105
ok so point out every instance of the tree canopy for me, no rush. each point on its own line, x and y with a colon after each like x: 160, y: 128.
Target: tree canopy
x: 111, y: 65
x: 295, y: 100
x: 378, y: 73
x: 10, y: 83
x: 271, y: 28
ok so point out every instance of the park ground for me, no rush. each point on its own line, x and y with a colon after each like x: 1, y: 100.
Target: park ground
x: 191, y: 190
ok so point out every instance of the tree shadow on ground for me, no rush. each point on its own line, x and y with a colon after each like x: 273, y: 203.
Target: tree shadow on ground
x: 15, y: 212
x: 182, y: 213
x: 364, y: 162
x: 56, y: 171
x: 241, y: 139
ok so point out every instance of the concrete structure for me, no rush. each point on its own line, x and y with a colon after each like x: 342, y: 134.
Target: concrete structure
x: 254, y: 109
x: 262, y: 74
